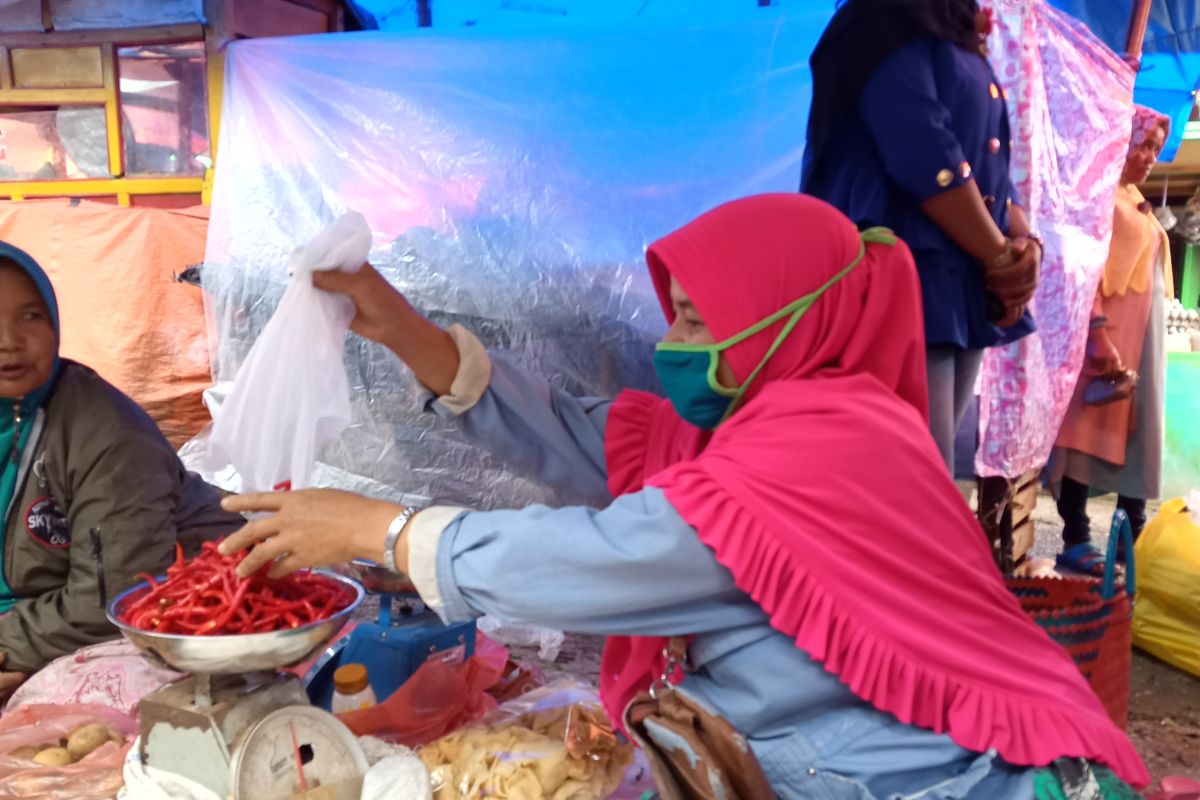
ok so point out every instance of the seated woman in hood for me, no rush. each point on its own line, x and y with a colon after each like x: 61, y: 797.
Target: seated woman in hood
x: 91, y: 492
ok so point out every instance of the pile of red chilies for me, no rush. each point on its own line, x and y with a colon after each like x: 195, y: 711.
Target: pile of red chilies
x: 205, y: 597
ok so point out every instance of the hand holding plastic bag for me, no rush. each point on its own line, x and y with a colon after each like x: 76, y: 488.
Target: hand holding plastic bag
x: 291, y: 395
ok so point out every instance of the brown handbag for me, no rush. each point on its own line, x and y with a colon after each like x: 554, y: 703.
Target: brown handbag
x: 720, y: 763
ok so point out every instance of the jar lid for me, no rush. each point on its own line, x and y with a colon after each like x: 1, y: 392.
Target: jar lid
x: 350, y: 679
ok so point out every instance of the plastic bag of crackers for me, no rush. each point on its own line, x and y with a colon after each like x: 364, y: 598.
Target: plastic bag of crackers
x: 554, y: 743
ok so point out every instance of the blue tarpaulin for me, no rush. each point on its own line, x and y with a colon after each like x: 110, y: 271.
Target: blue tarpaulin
x: 1168, y: 80
x: 1171, y: 62
x: 494, y: 15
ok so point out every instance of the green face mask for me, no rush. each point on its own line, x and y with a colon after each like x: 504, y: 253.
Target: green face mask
x: 688, y: 372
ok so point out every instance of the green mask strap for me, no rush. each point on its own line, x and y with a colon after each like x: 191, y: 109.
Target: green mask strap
x: 797, y: 310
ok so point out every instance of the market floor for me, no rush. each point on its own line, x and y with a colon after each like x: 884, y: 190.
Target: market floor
x: 1164, y: 717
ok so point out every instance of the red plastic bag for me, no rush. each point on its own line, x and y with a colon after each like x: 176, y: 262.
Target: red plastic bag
x: 97, y: 776
x: 437, y: 699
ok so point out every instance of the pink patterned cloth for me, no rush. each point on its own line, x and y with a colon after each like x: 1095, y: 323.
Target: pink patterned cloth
x: 112, y: 674
x: 1071, y: 119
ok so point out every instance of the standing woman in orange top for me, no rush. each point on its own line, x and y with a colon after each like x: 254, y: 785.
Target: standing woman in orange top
x: 1111, y: 439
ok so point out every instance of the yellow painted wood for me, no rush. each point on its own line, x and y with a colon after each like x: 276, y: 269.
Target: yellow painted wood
x: 112, y: 114
x: 119, y: 36
x: 53, y: 97
x: 123, y: 199
x: 214, y: 55
x: 101, y: 187
x: 57, y: 67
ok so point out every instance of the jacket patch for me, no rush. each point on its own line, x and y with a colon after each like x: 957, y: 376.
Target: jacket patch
x: 47, y: 523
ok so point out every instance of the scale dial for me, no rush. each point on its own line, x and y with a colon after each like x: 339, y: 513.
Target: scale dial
x: 293, y: 741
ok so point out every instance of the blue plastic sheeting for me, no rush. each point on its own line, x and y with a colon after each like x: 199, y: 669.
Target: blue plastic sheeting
x: 1171, y: 61
x: 493, y: 15
x: 512, y: 183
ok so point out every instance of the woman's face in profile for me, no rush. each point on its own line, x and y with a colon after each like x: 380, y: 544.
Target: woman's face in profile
x: 1142, y: 158
x: 27, y: 341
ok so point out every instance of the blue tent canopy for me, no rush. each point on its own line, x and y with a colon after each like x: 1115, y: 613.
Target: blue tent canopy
x: 1171, y: 61
x: 1168, y: 80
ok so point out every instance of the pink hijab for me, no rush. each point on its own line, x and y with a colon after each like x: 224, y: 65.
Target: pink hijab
x: 827, y: 500
x: 1146, y: 120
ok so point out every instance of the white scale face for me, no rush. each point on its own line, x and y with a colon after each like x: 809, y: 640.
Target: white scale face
x: 296, y: 741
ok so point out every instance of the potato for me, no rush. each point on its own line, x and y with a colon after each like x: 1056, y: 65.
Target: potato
x: 28, y: 751
x: 85, y: 739
x: 54, y: 757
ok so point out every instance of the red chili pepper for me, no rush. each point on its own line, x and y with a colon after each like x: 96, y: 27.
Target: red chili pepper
x: 204, y: 597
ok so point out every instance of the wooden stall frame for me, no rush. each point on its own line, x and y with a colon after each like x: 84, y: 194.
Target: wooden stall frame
x: 122, y: 187
x: 226, y: 21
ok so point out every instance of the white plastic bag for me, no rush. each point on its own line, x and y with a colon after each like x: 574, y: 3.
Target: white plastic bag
x: 517, y: 634
x: 291, y: 394
x: 397, y: 778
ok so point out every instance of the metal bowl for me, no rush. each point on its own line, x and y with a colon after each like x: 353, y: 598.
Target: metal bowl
x: 247, y: 652
x: 378, y: 579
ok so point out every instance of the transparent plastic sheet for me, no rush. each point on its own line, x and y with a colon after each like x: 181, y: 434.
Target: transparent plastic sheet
x: 512, y: 184
x: 553, y: 743
x: 396, y: 15
x: 97, y: 776
x: 1070, y: 108
x: 547, y: 640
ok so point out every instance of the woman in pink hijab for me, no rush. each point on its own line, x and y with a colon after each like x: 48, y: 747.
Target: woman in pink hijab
x: 1111, y: 438
x: 778, y: 508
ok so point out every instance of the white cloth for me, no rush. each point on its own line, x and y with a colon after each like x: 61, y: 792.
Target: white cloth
x: 147, y: 783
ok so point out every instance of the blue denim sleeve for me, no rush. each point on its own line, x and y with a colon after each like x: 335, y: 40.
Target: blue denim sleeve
x: 910, y: 125
x: 635, y: 568
x: 543, y: 431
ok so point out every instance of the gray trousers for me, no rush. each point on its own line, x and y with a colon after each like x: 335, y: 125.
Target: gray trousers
x: 951, y: 372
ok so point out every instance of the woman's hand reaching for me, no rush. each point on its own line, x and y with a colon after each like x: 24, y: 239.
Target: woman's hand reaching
x: 308, y: 528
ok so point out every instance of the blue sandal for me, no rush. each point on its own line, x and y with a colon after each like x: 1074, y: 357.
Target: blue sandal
x: 1084, y: 558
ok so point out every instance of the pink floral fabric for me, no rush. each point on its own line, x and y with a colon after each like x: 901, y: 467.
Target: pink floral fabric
x: 112, y: 674
x: 1070, y: 104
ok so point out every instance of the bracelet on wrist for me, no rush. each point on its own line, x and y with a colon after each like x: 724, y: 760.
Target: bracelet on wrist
x: 393, y: 535
x: 1097, y: 322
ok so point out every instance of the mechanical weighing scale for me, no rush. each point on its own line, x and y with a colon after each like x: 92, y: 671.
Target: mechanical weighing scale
x: 239, y: 726
x: 403, y: 636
